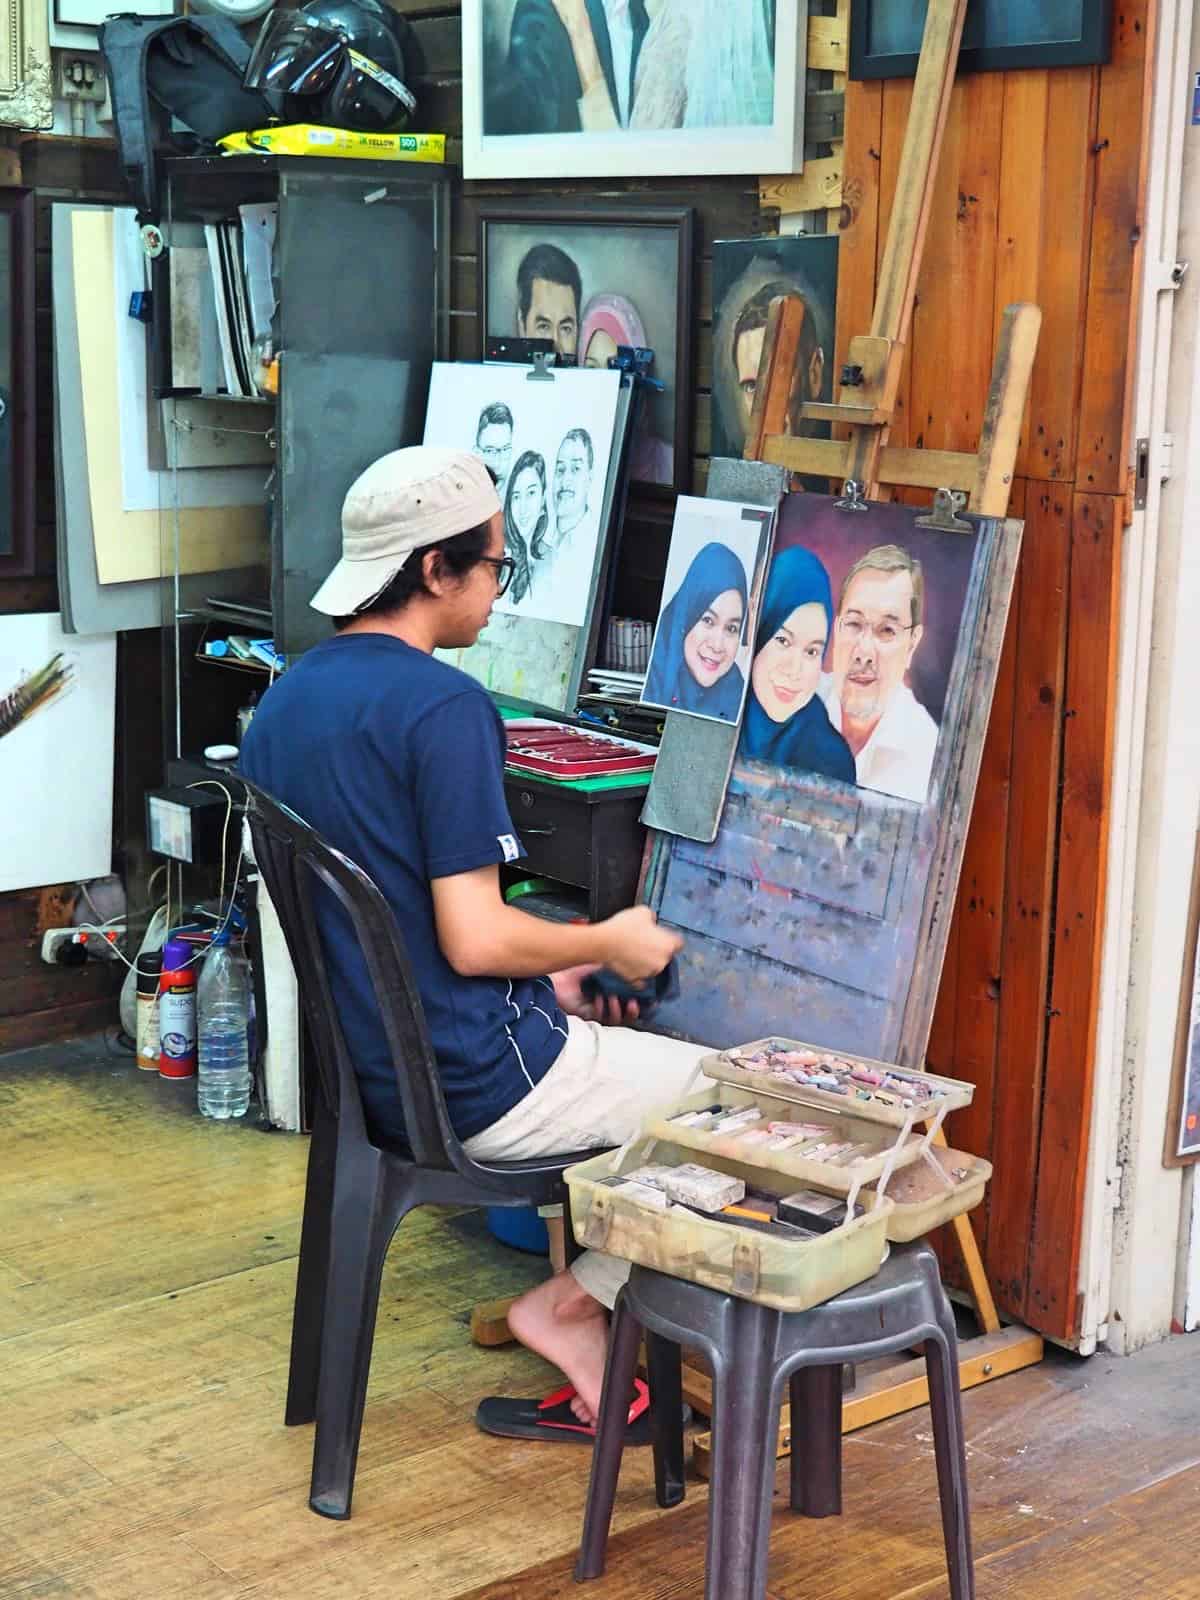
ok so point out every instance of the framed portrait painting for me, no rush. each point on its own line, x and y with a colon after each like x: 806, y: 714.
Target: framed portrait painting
x: 747, y: 275
x: 593, y: 278
x: 999, y: 35
x: 632, y: 88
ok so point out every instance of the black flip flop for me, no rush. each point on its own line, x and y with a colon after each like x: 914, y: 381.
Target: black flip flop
x: 552, y: 1418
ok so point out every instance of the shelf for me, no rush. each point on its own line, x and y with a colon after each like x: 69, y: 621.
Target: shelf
x: 167, y: 393
x: 233, y: 619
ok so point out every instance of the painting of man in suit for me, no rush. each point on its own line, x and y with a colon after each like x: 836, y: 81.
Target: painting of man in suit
x: 611, y: 66
x: 540, y: 88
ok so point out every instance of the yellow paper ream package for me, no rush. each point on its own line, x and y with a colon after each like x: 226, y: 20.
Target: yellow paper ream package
x: 305, y: 139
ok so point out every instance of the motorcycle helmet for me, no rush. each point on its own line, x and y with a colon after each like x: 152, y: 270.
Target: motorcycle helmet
x: 340, y: 63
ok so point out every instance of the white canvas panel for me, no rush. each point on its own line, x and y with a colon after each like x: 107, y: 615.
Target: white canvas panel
x: 57, y: 718
x: 700, y: 658
x: 549, y: 444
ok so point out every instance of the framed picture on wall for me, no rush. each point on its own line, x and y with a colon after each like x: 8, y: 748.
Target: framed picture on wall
x: 999, y: 35
x: 592, y: 278
x: 747, y: 275
x: 26, y: 99
x: 640, y: 88
x: 1181, y: 1146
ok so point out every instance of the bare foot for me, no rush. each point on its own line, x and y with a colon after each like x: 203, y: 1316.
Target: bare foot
x: 562, y: 1323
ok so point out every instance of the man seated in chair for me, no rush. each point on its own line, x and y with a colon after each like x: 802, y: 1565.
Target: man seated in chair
x: 397, y: 759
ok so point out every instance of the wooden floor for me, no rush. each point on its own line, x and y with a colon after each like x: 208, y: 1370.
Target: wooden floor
x: 146, y: 1268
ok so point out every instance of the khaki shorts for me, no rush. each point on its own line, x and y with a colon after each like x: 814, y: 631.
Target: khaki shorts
x: 597, y: 1094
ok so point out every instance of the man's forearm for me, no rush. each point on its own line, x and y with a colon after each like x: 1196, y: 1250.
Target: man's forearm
x: 508, y: 943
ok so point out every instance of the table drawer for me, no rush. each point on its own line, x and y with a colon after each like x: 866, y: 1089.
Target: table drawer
x: 556, y: 832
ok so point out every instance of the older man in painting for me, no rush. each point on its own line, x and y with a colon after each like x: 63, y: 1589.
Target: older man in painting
x: 572, y: 482
x: 877, y: 632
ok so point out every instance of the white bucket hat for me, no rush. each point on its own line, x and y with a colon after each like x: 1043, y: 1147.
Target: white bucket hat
x: 401, y: 503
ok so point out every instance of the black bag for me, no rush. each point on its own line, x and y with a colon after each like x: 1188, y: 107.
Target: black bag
x: 187, y: 68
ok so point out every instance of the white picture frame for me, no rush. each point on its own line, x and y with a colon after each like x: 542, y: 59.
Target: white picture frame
x: 623, y: 152
x: 26, y: 90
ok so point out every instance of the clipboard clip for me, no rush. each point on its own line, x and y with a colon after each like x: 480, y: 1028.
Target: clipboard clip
x: 947, y: 503
x: 541, y: 362
x: 852, y: 497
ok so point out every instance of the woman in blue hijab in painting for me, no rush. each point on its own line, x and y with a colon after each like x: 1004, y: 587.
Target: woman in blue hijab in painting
x: 694, y: 665
x: 786, y: 720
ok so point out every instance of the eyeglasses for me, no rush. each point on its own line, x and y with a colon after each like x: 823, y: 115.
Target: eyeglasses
x: 886, y: 633
x: 495, y: 452
x: 506, y: 569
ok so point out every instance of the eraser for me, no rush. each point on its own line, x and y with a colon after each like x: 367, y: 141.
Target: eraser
x: 694, y: 1185
x: 643, y: 1193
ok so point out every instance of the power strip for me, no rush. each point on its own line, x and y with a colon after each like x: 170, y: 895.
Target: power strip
x: 64, y: 947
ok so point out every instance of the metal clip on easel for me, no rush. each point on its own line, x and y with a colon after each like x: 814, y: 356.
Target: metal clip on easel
x: 637, y: 361
x: 542, y: 361
x: 853, y: 498
x: 947, y: 503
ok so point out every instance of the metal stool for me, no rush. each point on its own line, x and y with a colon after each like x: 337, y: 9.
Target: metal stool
x: 753, y: 1351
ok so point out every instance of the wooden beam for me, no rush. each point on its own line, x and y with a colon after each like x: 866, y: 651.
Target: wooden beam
x: 1001, y: 435
x: 489, y: 1323
x: 777, y: 372
x: 817, y: 188
x: 898, y: 465
x: 968, y: 1249
x: 894, y: 1390
x: 828, y: 44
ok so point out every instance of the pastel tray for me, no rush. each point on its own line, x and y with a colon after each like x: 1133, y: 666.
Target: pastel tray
x: 948, y: 1094
x: 890, y: 1152
x: 920, y: 1199
x: 787, y: 1274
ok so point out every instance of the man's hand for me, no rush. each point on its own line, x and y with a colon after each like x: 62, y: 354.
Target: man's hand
x: 637, y: 948
x: 568, y: 989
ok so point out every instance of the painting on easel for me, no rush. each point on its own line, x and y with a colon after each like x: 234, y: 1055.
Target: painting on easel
x: 818, y: 911
x: 700, y: 655
x: 855, y: 642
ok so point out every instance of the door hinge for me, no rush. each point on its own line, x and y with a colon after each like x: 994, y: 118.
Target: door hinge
x: 1169, y: 275
x: 1141, y: 474
x: 1163, y: 466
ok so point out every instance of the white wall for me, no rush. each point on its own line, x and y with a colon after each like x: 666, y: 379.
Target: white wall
x: 1131, y: 1286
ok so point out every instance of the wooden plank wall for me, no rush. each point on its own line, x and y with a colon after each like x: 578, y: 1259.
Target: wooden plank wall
x: 1039, y: 199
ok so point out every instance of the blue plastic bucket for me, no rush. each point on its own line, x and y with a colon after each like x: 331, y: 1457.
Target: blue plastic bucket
x: 520, y: 1227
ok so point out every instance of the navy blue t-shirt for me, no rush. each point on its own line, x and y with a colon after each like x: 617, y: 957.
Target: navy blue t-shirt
x: 397, y: 760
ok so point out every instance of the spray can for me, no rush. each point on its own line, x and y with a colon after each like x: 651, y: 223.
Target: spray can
x: 149, y: 972
x: 177, y: 1011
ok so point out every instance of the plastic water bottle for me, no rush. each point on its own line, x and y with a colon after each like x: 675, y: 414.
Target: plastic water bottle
x: 224, y: 1014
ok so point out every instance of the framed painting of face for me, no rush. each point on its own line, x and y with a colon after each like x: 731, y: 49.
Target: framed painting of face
x: 632, y: 88
x: 592, y: 279
x: 885, y: 35
x: 747, y: 275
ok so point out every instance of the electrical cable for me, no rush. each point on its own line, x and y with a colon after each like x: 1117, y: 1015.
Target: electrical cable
x: 223, y: 918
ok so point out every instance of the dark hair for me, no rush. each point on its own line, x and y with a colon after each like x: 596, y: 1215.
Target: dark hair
x: 583, y: 437
x: 514, y: 542
x: 548, y: 262
x: 455, y: 558
x: 497, y: 415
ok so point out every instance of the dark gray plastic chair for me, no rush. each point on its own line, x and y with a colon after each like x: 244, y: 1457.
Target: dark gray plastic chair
x: 753, y: 1352
x: 358, y: 1191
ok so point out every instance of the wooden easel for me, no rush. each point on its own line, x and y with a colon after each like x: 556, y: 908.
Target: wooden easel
x: 865, y: 407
